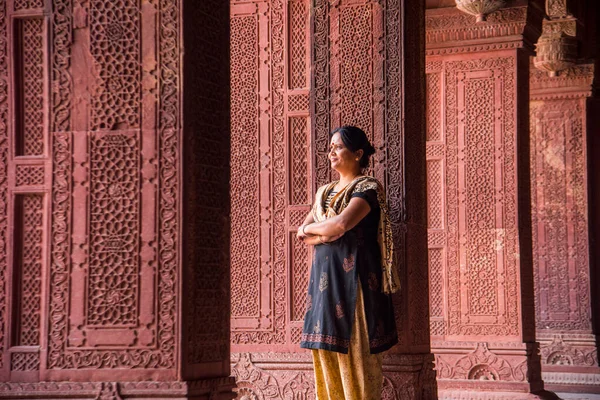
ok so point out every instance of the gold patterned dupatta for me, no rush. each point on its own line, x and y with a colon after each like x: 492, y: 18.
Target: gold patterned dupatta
x: 391, y: 281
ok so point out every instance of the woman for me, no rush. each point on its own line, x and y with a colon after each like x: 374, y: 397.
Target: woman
x: 349, y: 320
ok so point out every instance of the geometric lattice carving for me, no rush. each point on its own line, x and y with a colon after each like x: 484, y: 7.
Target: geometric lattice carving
x: 25, y: 362
x: 297, y: 217
x: 434, y: 116
x: 300, y: 276
x: 245, y: 221
x: 436, y: 210
x: 296, y: 335
x: 260, y: 175
x: 299, y: 156
x: 436, y: 291
x: 356, y: 60
x: 436, y: 284
x: 114, y: 230
x: 115, y: 45
x: 30, y: 95
x: 29, y: 175
x: 28, y: 267
x: 298, y: 51
x: 480, y: 193
x: 28, y: 4
x: 435, y: 194
x: 298, y: 102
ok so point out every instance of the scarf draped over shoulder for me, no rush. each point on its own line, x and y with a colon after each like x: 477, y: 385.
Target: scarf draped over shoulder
x: 391, y: 281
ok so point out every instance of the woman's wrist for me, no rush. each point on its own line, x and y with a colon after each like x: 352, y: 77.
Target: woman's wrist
x: 302, y: 229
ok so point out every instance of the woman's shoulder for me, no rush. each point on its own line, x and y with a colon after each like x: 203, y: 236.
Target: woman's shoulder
x: 367, y: 183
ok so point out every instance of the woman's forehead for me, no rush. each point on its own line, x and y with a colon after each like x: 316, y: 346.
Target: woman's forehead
x: 336, y: 139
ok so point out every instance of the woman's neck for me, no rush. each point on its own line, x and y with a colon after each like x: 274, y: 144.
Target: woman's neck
x: 347, y: 177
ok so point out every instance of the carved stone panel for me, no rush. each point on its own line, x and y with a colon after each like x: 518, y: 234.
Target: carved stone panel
x: 356, y: 77
x: 23, y: 155
x: 560, y: 215
x: 252, y: 173
x: 436, y: 199
x: 30, y: 131
x: 271, y: 174
x: 483, y: 269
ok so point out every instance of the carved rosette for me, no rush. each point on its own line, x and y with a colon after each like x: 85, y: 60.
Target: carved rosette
x: 556, y: 49
x: 479, y: 8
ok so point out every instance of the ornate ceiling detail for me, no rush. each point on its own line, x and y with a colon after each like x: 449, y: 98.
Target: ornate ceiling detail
x: 480, y: 8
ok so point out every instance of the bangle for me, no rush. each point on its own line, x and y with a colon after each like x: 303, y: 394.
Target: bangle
x: 302, y: 229
x: 321, y: 240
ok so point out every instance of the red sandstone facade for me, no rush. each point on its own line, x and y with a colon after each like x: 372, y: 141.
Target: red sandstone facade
x: 156, y: 157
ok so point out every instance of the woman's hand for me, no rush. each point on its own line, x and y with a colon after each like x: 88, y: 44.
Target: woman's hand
x: 300, y: 233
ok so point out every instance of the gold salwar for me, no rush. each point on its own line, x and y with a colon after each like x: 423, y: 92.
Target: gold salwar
x: 353, y: 376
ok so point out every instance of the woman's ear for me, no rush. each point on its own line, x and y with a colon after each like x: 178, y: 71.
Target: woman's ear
x: 359, y: 154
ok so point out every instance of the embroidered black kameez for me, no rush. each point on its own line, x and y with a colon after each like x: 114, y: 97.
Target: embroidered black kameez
x: 337, y: 268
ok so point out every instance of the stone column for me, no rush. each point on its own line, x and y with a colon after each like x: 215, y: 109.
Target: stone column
x: 481, y: 277
x: 560, y: 128
x: 563, y: 127
x: 114, y: 199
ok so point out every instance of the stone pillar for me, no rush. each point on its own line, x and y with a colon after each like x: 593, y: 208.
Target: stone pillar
x: 561, y: 123
x: 108, y: 290
x: 481, y: 277
x: 562, y: 130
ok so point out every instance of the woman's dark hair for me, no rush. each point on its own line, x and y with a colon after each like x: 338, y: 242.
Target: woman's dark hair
x: 355, y: 139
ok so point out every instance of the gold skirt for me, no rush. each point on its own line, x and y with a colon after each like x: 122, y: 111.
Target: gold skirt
x: 353, y: 376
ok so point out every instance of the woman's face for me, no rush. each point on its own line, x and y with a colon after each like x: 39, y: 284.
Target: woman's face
x: 341, y: 158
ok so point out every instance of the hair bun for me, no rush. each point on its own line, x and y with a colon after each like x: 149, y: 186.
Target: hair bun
x: 370, y: 150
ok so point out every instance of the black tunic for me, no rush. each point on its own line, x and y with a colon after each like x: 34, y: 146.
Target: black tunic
x: 336, y: 270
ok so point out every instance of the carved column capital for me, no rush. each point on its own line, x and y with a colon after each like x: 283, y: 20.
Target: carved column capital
x: 480, y: 8
x: 556, y: 49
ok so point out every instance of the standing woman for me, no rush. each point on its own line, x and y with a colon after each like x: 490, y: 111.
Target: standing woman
x: 349, y: 320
